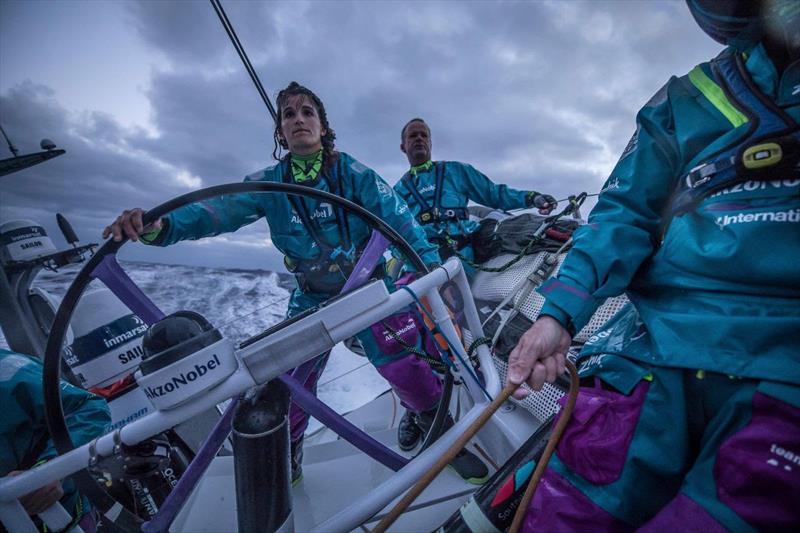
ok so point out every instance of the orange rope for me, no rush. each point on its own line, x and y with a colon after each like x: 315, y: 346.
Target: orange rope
x: 566, y: 414
x: 470, y: 432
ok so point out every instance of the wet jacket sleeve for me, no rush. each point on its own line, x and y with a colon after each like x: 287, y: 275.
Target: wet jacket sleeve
x: 223, y: 214
x: 480, y: 189
x: 87, y: 415
x: 379, y: 198
x: 623, y: 229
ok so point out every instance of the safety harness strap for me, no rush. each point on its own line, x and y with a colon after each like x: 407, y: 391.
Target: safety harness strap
x: 313, y: 227
x: 770, y: 145
x: 433, y: 214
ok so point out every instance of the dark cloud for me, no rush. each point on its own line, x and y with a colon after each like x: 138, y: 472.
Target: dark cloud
x: 537, y: 94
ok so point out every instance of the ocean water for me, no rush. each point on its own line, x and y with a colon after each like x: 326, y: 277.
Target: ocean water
x: 241, y: 303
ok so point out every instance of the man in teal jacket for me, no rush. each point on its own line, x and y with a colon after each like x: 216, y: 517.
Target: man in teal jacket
x: 437, y: 192
x: 321, y: 244
x: 25, y: 440
x: 692, y: 419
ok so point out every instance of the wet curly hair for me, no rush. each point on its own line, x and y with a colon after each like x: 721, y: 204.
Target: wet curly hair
x: 330, y: 155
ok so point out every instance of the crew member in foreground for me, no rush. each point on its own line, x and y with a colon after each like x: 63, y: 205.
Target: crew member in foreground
x: 689, y: 417
x: 26, y: 441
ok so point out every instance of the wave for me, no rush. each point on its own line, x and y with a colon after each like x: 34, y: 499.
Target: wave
x: 241, y: 303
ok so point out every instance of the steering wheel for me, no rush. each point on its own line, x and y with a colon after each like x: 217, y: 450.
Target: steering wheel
x: 94, y: 268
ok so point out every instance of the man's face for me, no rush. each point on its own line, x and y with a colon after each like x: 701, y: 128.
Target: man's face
x: 417, y: 143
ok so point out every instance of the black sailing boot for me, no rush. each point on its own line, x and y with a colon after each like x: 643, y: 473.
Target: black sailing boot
x: 466, y: 463
x: 297, y: 461
x: 408, y: 432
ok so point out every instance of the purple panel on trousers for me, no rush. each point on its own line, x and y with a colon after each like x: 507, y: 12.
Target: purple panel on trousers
x: 678, y: 514
x: 757, y: 469
x: 414, y: 382
x: 558, y: 507
x: 404, y: 325
x: 88, y: 523
x: 595, y: 442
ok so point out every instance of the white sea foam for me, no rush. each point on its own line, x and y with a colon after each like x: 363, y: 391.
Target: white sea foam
x: 241, y: 303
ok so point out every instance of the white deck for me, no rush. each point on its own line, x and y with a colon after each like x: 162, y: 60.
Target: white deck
x: 336, y: 474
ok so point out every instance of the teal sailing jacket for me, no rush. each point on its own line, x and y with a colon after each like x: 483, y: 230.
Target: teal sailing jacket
x: 23, y: 430
x: 355, y: 181
x: 460, y: 184
x: 717, y: 287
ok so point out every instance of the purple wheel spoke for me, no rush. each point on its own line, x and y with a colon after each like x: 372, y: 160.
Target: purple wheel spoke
x: 114, y: 277
x: 366, y: 263
x: 188, y: 481
x: 343, y: 427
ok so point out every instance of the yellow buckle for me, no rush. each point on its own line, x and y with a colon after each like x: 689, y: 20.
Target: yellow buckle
x: 425, y: 217
x: 762, y: 155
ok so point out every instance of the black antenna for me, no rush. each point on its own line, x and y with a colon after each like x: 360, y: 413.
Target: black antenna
x: 243, y: 55
x: 66, y: 230
x: 11, y: 146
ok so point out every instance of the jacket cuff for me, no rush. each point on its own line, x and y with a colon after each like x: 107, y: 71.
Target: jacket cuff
x: 566, y: 302
x: 552, y: 310
x: 157, y: 236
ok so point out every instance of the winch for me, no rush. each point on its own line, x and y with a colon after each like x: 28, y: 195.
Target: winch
x: 184, y: 355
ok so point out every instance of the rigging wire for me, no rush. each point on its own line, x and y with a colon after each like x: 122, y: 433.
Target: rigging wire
x: 557, y: 201
x: 588, y: 195
x: 243, y: 56
x: 10, y: 144
x: 237, y: 318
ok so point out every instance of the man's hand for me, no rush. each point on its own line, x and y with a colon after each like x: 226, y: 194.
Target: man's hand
x: 129, y: 223
x: 42, y: 498
x: 545, y: 203
x: 539, y: 356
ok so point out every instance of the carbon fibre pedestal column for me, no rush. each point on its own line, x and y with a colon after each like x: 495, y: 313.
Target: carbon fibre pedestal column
x: 261, y: 460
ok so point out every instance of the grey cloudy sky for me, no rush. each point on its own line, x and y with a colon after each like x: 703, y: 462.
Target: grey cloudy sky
x: 150, y: 100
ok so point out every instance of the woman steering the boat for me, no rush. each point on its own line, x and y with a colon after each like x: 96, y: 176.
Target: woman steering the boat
x: 690, y: 414
x: 320, y: 244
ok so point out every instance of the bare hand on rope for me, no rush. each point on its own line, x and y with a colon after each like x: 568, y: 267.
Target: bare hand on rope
x: 129, y: 223
x: 540, y: 355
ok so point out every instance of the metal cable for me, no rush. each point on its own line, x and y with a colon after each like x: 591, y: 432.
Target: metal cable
x: 243, y: 56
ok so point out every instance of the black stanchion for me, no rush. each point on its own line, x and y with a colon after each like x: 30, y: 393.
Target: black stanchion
x: 261, y: 459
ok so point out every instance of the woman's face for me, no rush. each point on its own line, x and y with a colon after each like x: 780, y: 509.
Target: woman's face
x: 300, y: 125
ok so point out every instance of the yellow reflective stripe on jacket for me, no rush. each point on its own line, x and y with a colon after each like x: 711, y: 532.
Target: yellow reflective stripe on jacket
x: 716, y: 96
